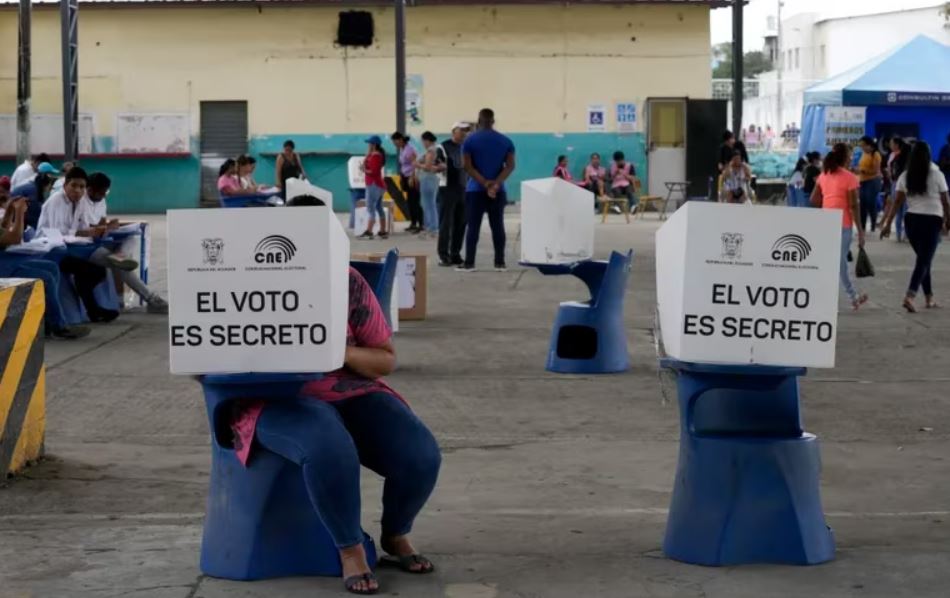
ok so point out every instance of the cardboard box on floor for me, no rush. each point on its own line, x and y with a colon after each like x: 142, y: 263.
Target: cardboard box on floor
x: 412, y: 277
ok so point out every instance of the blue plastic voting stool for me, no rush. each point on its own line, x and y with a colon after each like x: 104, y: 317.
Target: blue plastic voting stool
x: 260, y: 522
x: 380, y: 276
x: 589, y: 336
x: 747, y: 483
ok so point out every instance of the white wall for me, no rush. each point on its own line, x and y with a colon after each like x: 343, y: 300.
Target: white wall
x: 830, y: 47
x: 850, y: 42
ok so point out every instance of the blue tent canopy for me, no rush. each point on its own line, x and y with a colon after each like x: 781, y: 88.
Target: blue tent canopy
x: 913, y: 76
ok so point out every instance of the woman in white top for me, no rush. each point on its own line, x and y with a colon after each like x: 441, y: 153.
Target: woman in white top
x: 923, y: 187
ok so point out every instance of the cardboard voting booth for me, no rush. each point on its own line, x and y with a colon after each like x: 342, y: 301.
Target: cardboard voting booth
x: 257, y: 290
x: 298, y: 187
x: 354, y: 169
x: 556, y: 222
x: 749, y: 285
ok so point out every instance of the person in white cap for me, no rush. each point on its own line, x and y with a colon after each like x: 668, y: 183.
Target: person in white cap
x: 452, y: 198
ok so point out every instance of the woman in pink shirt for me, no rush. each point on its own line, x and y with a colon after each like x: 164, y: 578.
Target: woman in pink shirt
x: 229, y: 185
x: 837, y: 189
x: 562, y: 171
x: 594, y: 176
x: 348, y: 418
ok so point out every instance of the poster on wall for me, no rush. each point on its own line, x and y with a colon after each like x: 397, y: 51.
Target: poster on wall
x: 626, y: 117
x: 414, y: 84
x: 596, y: 117
x: 844, y: 124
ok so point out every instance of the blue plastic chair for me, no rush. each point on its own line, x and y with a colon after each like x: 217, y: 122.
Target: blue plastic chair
x: 589, y: 337
x: 747, y: 483
x: 380, y: 276
x: 260, y: 522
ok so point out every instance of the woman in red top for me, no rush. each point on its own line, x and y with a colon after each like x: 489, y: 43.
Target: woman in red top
x: 837, y: 189
x: 375, y: 187
x: 347, y: 418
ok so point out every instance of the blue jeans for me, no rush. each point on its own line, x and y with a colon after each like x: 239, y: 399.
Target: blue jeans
x: 374, y: 204
x: 923, y: 233
x: 846, y: 235
x: 477, y: 203
x: 868, y: 194
x: 329, y: 441
x: 48, y: 272
x: 429, y: 188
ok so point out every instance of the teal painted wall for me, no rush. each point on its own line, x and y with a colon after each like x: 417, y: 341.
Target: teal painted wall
x: 152, y: 185
x: 325, y: 156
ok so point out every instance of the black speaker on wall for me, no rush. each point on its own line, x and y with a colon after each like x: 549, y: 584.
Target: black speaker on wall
x: 355, y: 28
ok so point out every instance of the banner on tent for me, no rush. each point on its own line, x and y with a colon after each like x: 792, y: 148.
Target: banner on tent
x: 844, y: 124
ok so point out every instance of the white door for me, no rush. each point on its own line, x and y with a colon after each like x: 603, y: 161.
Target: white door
x: 666, y: 143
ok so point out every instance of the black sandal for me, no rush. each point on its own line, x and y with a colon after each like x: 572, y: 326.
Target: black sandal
x: 405, y: 563
x: 350, y: 584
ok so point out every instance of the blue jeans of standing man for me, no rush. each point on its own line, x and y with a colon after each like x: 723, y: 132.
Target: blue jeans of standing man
x: 868, y: 195
x: 477, y: 203
x: 923, y: 233
x: 429, y: 188
x: 329, y: 441
x: 846, y: 235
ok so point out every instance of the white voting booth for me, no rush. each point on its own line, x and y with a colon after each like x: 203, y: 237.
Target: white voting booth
x: 749, y: 285
x: 257, y: 290
x: 298, y: 187
x: 354, y: 169
x: 557, y: 226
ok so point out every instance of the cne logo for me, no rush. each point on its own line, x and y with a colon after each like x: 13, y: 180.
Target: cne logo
x: 791, y: 248
x: 275, y: 249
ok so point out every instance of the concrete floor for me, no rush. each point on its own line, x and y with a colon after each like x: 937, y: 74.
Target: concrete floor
x: 552, y: 486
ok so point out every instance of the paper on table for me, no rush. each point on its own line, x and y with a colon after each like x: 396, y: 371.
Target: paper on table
x: 34, y: 247
x: 132, y: 227
x: 52, y: 235
x: 74, y: 240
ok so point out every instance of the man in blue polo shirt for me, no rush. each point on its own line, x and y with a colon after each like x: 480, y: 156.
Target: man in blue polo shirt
x: 489, y: 159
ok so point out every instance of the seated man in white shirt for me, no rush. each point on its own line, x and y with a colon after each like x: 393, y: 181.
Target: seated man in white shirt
x: 92, y: 216
x: 25, y: 172
x: 64, y: 211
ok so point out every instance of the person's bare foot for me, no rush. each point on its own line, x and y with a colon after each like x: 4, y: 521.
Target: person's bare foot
x: 355, y: 566
x: 857, y: 303
x: 400, y: 547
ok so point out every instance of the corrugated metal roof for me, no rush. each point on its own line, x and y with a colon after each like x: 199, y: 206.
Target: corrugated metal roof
x: 344, y: 3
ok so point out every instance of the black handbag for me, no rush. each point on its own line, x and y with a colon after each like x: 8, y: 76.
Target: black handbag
x: 863, y: 268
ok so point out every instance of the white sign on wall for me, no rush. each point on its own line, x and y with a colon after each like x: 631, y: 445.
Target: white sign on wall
x: 596, y: 117
x: 749, y: 285
x: 257, y: 290
x: 557, y: 224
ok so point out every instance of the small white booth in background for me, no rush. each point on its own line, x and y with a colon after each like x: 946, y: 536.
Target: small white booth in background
x: 257, y: 290
x: 749, y: 285
x: 557, y: 224
x: 298, y: 187
x: 354, y: 170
